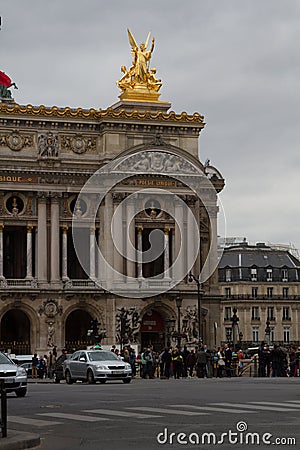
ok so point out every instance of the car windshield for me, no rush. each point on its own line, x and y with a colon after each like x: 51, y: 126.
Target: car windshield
x: 4, y: 359
x: 102, y: 356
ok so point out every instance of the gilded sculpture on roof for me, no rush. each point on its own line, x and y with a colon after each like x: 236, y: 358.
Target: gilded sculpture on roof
x: 139, y: 81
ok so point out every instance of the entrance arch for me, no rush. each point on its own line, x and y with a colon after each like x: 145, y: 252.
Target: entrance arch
x: 153, y: 330
x: 78, y: 323
x: 15, y: 332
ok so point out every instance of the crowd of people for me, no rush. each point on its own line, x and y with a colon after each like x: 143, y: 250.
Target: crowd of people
x: 220, y: 362
x: 42, y: 366
x: 199, y: 362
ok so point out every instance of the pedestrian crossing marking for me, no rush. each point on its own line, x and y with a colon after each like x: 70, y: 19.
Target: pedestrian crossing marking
x: 278, y: 404
x: 213, y: 409
x: 168, y: 411
x: 34, y: 422
x: 293, y: 401
x: 110, y: 412
x: 79, y: 417
x: 255, y: 407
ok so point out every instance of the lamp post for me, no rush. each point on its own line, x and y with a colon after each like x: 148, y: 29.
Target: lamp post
x: 178, y: 301
x: 228, y: 335
x: 235, y: 328
x: 199, y: 295
x: 268, y: 331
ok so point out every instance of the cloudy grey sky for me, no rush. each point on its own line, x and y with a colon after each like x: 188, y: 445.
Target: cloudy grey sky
x: 234, y: 61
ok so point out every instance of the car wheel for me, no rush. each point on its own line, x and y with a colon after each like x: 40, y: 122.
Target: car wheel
x: 21, y: 392
x: 69, y: 379
x: 102, y: 381
x: 56, y: 379
x: 127, y: 380
x: 90, y: 377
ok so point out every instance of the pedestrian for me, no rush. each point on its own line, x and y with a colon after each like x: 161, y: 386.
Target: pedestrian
x: 202, y: 359
x: 132, y: 361
x: 185, y: 355
x: 147, y: 363
x: 191, y: 361
x: 177, y: 360
x: 261, y: 360
x: 228, y: 359
x: 34, y: 370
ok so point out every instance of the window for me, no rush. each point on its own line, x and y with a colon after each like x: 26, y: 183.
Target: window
x: 286, y: 335
x: 228, y: 275
x: 227, y: 292
x: 286, y: 313
x: 271, y: 315
x: 255, y: 313
x: 270, y: 292
x: 284, y: 275
x: 269, y: 275
x: 254, y: 292
x: 253, y: 274
x: 285, y: 292
x: 227, y: 313
x: 255, y: 334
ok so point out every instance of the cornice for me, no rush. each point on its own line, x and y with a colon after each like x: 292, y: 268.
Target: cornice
x: 93, y: 114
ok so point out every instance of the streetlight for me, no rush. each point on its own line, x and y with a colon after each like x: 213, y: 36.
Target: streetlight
x: 235, y: 327
x: 178, y: 301
x: 228, y: 335
x: 199, y: 295
x: 268, y: 331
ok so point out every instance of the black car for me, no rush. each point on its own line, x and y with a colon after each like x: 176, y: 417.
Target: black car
x: 57, y: 369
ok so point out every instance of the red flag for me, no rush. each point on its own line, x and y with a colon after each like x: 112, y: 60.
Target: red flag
x: 4, y: 79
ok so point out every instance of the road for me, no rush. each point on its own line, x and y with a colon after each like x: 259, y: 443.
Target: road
x: 144, y: 414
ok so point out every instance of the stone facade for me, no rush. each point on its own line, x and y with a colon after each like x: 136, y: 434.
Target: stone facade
x: 262, y: 283
x: 148, y: 179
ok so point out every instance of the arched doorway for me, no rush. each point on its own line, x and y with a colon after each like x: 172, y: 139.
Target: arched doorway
x: 77, y: 325
x: 15, y: 332
x: 153, y: 330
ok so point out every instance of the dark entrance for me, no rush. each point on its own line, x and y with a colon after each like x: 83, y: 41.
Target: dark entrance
x: 152, y: 331
x: 77, y: 325
x: 15, y: 332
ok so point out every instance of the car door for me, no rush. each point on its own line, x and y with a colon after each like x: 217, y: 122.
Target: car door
x: 82, y: 364
x: 74, y: 365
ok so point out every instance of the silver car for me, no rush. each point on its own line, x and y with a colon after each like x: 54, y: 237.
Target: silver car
x: 15, y: 377
x: 96, y: 365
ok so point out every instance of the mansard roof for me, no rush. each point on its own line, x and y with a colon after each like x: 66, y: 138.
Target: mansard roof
x: 259, y: 255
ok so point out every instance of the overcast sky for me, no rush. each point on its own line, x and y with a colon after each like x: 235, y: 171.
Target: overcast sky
x: 234, y: 61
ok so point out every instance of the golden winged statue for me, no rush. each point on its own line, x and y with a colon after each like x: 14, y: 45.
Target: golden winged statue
x: 139, y: 81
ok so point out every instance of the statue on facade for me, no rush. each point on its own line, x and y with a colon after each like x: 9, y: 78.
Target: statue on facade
x: 128, y: 321
x: 139, y: 76
x: 5, y: 84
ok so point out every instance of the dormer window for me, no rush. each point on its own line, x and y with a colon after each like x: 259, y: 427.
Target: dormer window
x: 269, y: 274
x: 284, y: 275
x: 253, y: 274
x: 228, y: 275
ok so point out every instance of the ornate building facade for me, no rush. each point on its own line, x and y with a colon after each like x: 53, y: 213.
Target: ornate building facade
x: 262, y: 283
x: 103, y: 214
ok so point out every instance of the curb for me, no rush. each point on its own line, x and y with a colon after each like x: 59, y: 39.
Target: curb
x: 17, y: 440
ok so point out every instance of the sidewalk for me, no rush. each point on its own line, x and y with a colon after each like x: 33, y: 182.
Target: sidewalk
x: 16, y: 440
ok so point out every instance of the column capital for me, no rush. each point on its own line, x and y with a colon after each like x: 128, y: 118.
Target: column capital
x: 139, y: 229
x: 65, y: 229
x: 29, y: 228
x: 1, y: 227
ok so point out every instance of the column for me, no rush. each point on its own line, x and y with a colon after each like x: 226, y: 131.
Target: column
x: 29, y: 252
x: 92, y: 253
x: 42, y: 238
x: 1, y: 251
x: 108, y: 243
x: 140, y: 252
x: 130, y: 239
x: 65, y: 253
x: 167, y: 254
x: 179, y: 243
x: 213, y: 263
x: 54, y: 238
x: 118, y: 242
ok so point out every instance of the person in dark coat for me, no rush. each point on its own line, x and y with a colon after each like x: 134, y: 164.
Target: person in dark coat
x: 202, y: 359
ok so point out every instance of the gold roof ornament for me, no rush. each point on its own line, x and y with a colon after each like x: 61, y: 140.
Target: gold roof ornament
x: 139, y: 82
